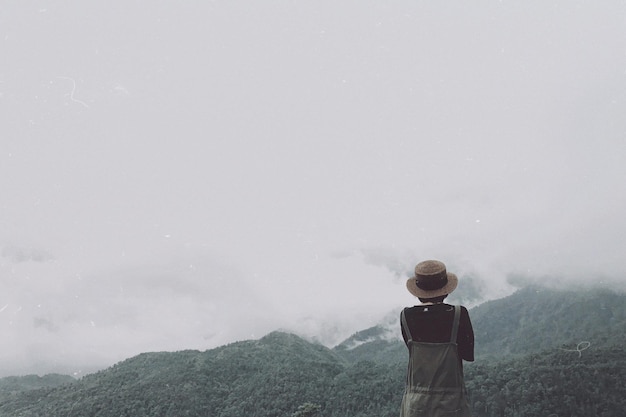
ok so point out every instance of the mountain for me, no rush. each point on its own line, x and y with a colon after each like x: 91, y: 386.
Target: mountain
x: 582, y: 383
x: 380, y: 343
x: 372, y: 345
x: 537, y: 318
x: 272, y: 376
x: 530, y: 320
x: 521, y: 371
x: 13, y: 385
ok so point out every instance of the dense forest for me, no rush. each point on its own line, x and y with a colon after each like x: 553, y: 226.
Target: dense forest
x: 540, y: 352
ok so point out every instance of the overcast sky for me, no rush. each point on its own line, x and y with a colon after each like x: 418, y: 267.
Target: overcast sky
x: 180, y: 175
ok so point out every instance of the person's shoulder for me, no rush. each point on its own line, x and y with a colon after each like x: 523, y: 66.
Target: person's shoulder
x: 464, y: 314
x: 464, y: 311
x: 409, y: 310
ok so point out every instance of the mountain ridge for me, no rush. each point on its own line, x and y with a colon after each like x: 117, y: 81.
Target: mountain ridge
x: 276, y: 374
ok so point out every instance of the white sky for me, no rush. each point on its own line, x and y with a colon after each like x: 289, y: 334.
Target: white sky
x: 180, y: 175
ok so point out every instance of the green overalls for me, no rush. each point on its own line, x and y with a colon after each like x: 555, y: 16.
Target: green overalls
x: 434, y: 383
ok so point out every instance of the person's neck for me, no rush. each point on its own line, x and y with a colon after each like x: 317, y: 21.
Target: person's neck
x: 431, y: 303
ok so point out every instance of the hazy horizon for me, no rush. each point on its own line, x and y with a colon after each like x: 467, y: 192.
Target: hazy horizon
x: 180, y: 176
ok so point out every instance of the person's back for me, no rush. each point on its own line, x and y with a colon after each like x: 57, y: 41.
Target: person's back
x: 439, y: 336
x: 432, y: 322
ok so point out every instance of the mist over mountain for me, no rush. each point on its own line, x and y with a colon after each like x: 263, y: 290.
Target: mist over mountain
x: 520, y: 357
x: 192, y: 302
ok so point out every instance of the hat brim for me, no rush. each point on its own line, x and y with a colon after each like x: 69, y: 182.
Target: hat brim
x: 411, y: 285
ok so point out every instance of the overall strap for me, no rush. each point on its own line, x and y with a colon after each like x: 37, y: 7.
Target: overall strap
x: 405, y: 326
x: 455, y: 323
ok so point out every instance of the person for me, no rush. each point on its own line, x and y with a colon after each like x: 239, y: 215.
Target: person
x: 439, y: 337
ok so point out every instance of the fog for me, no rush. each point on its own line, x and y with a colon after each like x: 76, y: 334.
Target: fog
x: 181, y: 175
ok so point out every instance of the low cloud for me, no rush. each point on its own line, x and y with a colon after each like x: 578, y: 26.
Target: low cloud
x: 289, y: 166
x: 20, y: 254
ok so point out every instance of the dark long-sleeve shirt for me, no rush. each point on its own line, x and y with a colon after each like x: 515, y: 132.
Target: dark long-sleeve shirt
x: 433, y: 323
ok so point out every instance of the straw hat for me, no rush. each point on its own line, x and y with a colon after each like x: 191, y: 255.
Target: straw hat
x: 431, y: 280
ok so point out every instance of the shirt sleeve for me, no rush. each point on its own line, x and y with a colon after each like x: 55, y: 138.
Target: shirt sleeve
x: 404, y: 335
x: 465, y: 339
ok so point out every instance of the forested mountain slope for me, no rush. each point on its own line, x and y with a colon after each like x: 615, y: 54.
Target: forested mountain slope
x: 11, y: 385
x: 530, y: 320
x: 574, y: 383
x: 536, y: 318
x: 272, y: 376
x: 282, y: 373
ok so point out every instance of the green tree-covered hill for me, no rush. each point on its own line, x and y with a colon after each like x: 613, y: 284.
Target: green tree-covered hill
x: 536, y: 371
x: 13, y: 385
x: 530, y: 320
x: 536, y: 318
x: 557, y: 382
